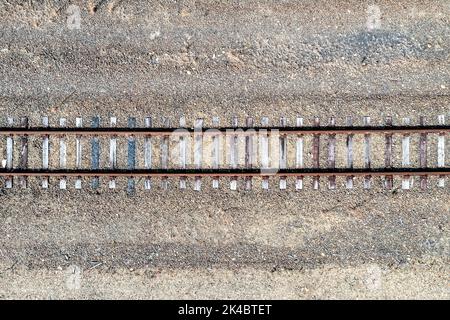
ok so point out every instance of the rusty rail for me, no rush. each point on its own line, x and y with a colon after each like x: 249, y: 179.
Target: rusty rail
x: 228, y: 130
x: 226, y: 172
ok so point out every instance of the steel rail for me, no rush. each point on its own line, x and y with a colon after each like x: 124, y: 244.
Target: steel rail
x: 227, y: 130
x: 226, y: 172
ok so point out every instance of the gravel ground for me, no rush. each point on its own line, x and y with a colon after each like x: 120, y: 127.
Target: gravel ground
x: 222, y: 58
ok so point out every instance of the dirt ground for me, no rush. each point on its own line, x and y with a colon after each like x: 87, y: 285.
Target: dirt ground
x: 222, y: 58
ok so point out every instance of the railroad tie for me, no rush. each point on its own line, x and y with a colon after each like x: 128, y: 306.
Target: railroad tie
x: 214, y: 152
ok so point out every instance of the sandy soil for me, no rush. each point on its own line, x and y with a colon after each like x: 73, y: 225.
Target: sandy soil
x: 218, y: 58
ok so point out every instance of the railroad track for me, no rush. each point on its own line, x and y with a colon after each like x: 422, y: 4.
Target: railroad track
x: 237, y: 153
